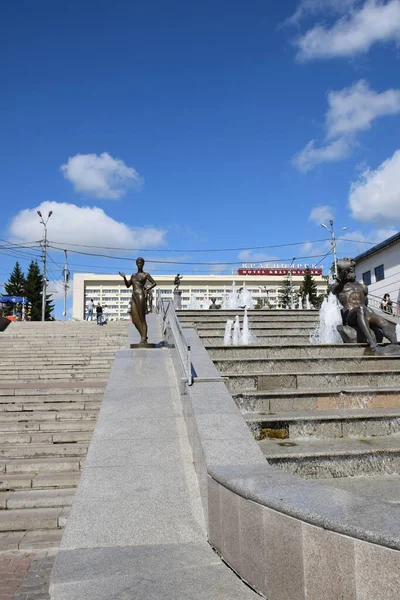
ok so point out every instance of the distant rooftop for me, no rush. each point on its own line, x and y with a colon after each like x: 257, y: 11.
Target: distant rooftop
x: 392, y: 240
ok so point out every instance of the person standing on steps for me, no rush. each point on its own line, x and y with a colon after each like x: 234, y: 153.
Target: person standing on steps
x: 99, y: 314
x: 90, y: 308
x: 105, y: 315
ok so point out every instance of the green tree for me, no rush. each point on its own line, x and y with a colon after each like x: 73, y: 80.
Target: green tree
x: 309, y: 288
x: 15, y: 285
x: 285, y: 294
x: 33, y: 292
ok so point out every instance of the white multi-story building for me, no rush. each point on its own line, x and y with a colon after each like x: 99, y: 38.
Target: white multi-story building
x: 263, y: 281
x: 379, y: 268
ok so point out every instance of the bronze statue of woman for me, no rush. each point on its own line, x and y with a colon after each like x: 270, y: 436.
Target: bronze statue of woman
x: 140, y: 291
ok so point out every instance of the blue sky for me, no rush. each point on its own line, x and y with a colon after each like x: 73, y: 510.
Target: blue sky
x: 196, y: 126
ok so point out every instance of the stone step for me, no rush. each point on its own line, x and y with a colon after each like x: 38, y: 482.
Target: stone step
x: 335, y: 457
x: 40, y: 539
x: 51, y: 498
x: 40, y: 465
x: 29, y: 481
x: 240, y: 382
x: 63, y: 437
x: 30, y: 519
x: 48, y: 406
x: 27, y: 399
x: 47, y: 426
x: 305, y: 365
x: 217, y: 337
x: 32, y: 450
x: 273, y: 351
x: 342, y: 423
x: 72, y: 415
x: 42, y: 389
x: 293, y: 399
x: 262, y: 328
x: 252, y: 318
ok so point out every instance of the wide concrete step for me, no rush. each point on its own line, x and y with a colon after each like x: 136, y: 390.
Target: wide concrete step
x: 45, y: 388
x: 70, y: 415
x: 63, y: 437
x: 53, y: 427
x: 48, y: 406
x: 32, y: 450
x: 51, y: 498
x: 305, y: 365
x: 40, y: 465
x: 339, y: 424
x: 39, y: 481
x: 253, y: 318
x: 273, y: 351
x: 26, y: 398
x: 216, y: 339
x: 40, y: 539
x: 335, y: 457
x: 261, y: 328
x: 240, y: 382
x: 30, y: 519
x: 292, y: 399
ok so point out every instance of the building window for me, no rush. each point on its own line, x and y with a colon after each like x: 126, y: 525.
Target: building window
x: 379, y: 273
x: 367, y: 277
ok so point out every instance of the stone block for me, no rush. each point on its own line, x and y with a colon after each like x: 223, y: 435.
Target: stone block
x: 284, y: 557
x: 230, y: 537
x: 252, y: 545
x: 328, y: 564
x: 377, y: 572
x: 214, y: 514
x: 274, y: 382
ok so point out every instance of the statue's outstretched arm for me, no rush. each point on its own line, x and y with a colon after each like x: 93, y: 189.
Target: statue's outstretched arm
x: 127, y: 283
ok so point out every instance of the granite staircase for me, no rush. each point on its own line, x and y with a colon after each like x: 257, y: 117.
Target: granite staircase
x: 328, y: 412
x: 52, y: 381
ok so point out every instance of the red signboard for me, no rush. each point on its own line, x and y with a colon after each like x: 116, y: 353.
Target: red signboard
x: 278, y: 271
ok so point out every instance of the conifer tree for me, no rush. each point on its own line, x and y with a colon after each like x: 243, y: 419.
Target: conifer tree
x: 285, y: 294
x: 15, y: 286
x: 309, y: 288
x: 33, y: 292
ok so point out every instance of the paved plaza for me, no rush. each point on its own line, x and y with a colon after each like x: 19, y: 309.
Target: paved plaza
x: 25, y: 575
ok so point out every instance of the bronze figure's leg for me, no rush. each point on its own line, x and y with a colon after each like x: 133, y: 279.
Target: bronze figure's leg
x: 359, y: 318
x: 388, y: 328
x: 138, y: 315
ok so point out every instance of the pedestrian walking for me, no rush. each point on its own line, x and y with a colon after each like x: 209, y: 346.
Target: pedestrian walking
x: 105, y: 315
x: 90, y: 308
x: 99, y: 314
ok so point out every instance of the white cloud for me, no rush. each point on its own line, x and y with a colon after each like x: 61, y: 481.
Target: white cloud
x: 100, y: 176
x: 376, y: 194
x: 355, y: 242
x: 311, y: 156
x: 321, y: 214
x: 375, y: 21
x: 313, y: 7
x: 350, y: 110
x: 71, y: 224
x: 354, y: 108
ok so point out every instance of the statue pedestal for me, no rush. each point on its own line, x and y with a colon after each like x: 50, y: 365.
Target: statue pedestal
x: 177, y: 299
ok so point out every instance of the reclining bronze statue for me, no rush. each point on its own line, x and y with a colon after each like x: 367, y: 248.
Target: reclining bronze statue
x: 360, y: 323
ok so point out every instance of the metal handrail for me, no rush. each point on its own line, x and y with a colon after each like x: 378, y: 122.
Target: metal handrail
x: 375, y: 302
x: 166, y: 308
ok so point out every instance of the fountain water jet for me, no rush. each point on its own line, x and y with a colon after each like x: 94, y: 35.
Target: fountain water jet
x: 236, y: 332
x: 245, y: 299
x: 247, y: 336
x: 329, y: 318
x: 228, y: 333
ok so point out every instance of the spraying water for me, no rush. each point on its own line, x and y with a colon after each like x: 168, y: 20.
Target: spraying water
x: 236, y: 332
x: 247, y: 336
x: 245, y: 298
x: 300, y: 303
x: 228, y: 333
x: 329, y: 318
x: 308, y: 303
x: 193, y: 303
x: 398, y: 332
x: 231, y: 300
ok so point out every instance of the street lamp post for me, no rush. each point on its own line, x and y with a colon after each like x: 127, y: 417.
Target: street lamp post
x: 333, y: 241
x: 44, y: 258
x: 291, y: 282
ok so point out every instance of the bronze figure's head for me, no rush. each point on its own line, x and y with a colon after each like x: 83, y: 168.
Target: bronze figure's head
x: 346, y: 269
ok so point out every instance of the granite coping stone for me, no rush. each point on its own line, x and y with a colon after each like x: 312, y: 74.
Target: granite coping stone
x: 332, y: 509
